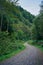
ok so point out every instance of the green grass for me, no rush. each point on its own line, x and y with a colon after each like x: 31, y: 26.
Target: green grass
x: 11, y: 54
x: 34, y: 43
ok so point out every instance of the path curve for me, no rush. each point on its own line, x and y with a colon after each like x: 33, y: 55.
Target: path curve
x: 30, y: 56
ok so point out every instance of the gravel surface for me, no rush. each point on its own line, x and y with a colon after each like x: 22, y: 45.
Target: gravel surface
x: 30, y: 56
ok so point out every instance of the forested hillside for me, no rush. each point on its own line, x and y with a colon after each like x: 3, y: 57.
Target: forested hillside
x: 18, y: 26
x: 15, y: 19
x: 15, y: 24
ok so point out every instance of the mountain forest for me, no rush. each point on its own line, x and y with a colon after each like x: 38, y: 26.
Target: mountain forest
x: 18, y: 26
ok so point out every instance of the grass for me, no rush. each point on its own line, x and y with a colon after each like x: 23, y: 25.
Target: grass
x: 11, y: 54
x: 34, y: 43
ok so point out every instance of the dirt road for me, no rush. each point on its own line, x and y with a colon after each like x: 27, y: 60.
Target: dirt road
x: 30, y: 56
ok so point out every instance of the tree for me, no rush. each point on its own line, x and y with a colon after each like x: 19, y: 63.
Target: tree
x: 41, y: 9
x: 5, y: 7
x: 37, y: 28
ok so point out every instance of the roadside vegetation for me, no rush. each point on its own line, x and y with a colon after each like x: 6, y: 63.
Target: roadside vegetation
x: 9, y: 46
x: 37, y: 31
x: 37, y: 44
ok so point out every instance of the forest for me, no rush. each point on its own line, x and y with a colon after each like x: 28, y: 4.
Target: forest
x: 18, y: 26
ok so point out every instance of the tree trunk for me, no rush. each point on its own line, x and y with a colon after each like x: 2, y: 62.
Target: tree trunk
x: 1, y: 21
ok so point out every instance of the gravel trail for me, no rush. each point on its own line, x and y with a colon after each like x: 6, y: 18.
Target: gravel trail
x: 30, y: 56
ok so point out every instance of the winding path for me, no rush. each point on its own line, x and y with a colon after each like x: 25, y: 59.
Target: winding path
x: 30, y: 56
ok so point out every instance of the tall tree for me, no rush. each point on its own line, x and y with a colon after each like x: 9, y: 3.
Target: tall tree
x: 37, y: 30
x: 41, y: 10
x: 5, y: 7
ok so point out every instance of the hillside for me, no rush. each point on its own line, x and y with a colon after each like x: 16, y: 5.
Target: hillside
x: 19, y: 19
x: 22, y: 23
x: 15, y: 23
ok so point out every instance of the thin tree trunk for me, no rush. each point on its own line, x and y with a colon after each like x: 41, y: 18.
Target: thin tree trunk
x: 7, y: 24
x: 1, y: 21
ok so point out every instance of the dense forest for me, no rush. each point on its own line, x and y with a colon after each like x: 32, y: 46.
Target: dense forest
x: 16, y: 24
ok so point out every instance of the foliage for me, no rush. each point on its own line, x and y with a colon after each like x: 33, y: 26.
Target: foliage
x: 36, y: 43
x: 14, y: 26
x: 8, y: 44
x: 38, y: 27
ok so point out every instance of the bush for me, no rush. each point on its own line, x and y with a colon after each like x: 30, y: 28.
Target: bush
x: 33, y: 42
x: 40, y: 42
x: 8, y: 44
